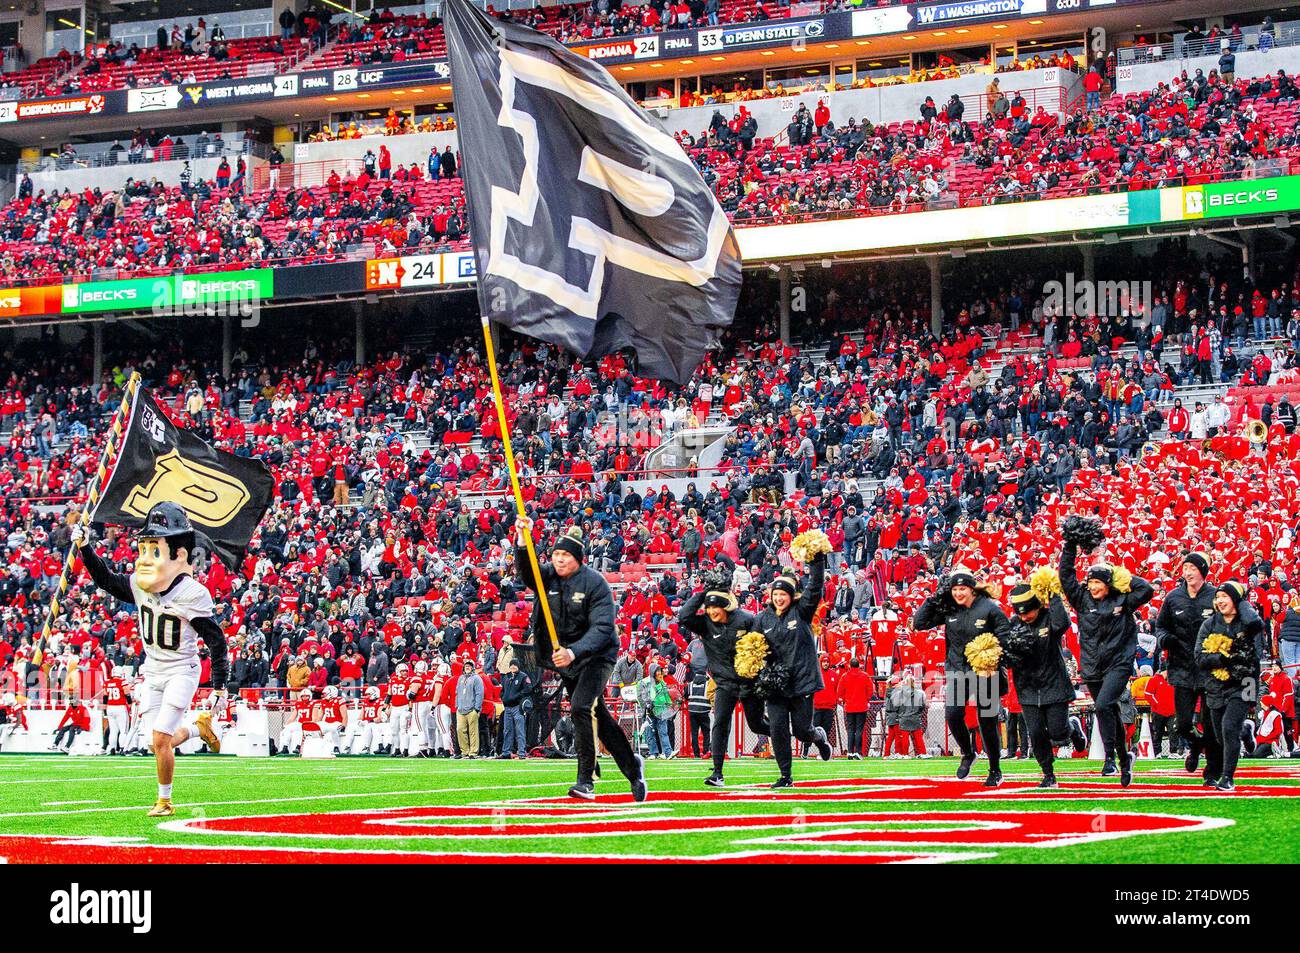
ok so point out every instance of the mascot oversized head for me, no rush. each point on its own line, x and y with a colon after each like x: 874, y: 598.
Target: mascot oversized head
x: 164, y: 547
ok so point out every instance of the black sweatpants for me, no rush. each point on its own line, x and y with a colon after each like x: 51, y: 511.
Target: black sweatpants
x: 824, y: 718
x: 1049, y: 728
x: 725, y: 699
x: 1228, y: 719
x: 586, y: 691
x: 789, y: 718
x: 955, y: 716
x: 1184, y: 714
x: 1160, y: 728
x: 856, y: 723
x: 1106, y: 692
x: 68, y: 731
x: 699, y: 732
x: 1018, y: 737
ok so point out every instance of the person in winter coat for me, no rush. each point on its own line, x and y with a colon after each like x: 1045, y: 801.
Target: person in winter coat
x: 516, y: 694
x: 855, y: 690
x: 1105, y: 609
x: 582, y: 610
x: 908, y: 703
x: 699, y: 705
x: 786, y: 624
x: 826, y: 699
x: 1184, y: 611
x: 1227, y: 653
x: 715, y: 617
x: 966, y: 611
x: 1042, y: 679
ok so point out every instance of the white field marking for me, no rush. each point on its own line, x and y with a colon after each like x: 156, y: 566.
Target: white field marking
x: 740, y: 855
x: 287, y: 800
x: 57, y: 803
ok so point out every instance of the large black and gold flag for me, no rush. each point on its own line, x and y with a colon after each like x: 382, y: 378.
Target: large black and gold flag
x: 225, y: 495
x: 592, y: 228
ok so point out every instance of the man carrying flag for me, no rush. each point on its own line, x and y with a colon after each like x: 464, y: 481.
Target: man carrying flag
x: 181, y: 481
x: 592, y: 230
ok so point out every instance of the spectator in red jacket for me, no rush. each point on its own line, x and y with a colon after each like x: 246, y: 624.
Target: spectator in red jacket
x: 826, y: 700
x: 76, y: 719
x: 854, y: 693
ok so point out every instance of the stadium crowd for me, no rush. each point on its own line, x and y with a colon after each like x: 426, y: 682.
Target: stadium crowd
x: 388, y: 540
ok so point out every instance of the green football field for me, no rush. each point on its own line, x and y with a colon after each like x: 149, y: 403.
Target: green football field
x: 55, y: 808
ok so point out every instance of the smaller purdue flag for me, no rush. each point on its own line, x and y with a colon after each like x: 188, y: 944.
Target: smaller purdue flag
x: 592, y: 228
x: 225, y: 495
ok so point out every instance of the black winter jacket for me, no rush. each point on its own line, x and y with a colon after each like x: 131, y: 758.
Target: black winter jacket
x: 1241, y: 662
x: 1042, y: 678
x: 1177, y: 625
x: 1107, y: 629
x: 582, y: 607
x: 790, y: 636
x: 960, y: 626
x: 719, y: 640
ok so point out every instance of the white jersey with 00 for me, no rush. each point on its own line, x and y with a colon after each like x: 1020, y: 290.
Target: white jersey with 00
x: 166, y: 624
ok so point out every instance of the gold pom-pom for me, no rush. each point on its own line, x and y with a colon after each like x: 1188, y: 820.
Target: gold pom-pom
x: 983, y: 654
x: 1045, y: 583
x: 806, y: 546
x: 1217, y: 642
x: 1121, y: 580
x: 1221, y: 674
x: 751, y: 654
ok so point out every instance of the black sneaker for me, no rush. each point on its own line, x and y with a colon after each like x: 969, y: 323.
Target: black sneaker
x: 1225, y: 785
x: 715, y: 780
x: 1049, y: 781
x: 638, y: 783
x: 1078, y: 740
x: 584, y: 790
x: 994, y: 780
x: 1210, y: 783
x: 1192, y: 761
x: 1108, y: 770
x: 963, y: 769
x: 823, y: 745
x: 783, y: 782
x: 1126, y: 768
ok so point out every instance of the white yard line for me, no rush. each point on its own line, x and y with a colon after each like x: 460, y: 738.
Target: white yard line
x: 58, y: 803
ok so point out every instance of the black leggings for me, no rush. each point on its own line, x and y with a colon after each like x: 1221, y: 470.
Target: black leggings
x: 725, y: 698
x: 955, y: 715
x: 789, y: 718
x: 1049, y: 728
x: 1106, y: 692
x: 1228, y: 719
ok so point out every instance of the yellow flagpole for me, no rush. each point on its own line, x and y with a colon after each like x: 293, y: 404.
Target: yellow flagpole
x: 514, y: 480
x: 96, y: 485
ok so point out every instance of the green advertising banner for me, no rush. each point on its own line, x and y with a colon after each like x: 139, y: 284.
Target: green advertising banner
x: 165, y: 293
x: 253, y: 285
x: 1250, y: 197
x: 137, y: 294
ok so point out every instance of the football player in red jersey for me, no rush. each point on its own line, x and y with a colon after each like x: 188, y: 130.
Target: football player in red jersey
x: 13, y: 716
x: 291, y: 733
x: 116, y: 701
x: 368, y: 732
x: 426, y: 700
x: 399, y: 710
x: 333, y: 717
x: 418, y: 689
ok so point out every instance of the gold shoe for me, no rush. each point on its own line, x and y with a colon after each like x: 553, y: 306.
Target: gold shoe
x: 163, y: 808
x: 204, y: 723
